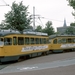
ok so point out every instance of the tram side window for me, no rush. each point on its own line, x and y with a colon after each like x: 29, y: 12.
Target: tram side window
x: 27, y: 40
x: 7, y: 41
x: 74, y: 40
x: 59, y: 41
x: 14, y: 40
x: 49, y: 40
x: 37, y: 40
x: 41, y: 41
x: 1, y: 41
x: 32, y: 41
x: 64, y: 40
x: 55, y: 41
x: 44, y: 40
x: 20, y: 41
x: 69, y: 40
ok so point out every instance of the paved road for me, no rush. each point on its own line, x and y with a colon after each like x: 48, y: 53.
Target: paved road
x: 54, y: 64
x: 3, y: 66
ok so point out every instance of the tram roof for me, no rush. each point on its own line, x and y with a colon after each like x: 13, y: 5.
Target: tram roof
x: 8, y: 32
x: 54, y: 36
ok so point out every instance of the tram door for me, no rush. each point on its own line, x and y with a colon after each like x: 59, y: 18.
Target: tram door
x: 7, y: 45
x: 56, y: 44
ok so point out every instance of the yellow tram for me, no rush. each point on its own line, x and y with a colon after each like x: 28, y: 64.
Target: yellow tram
x: 61, y: 43
x: 14, y: 45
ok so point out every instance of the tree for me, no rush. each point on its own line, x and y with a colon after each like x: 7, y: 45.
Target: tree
x: 30, y: 27
x: 38, y: 28
x: 49, y: 29
x: 2, y: 25
x: 72, y: 24
x: 18, y: 18
x: 70, y: 30
x: 72, y: 4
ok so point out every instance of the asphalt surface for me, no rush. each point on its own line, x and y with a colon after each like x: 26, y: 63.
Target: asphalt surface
x: 54, y: 64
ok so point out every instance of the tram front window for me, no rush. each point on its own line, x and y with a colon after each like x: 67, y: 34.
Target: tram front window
x: 1, y: 42
x: 55, y: 41
x: 7, y: 41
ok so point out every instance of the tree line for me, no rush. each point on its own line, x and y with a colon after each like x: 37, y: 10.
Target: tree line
x: 71, y: 28
x: 18, y: 18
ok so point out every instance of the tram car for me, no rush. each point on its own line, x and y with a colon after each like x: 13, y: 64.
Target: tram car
x: 14, y: 45
x: 62, y: 43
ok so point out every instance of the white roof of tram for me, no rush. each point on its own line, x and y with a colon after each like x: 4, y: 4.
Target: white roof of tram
x: 4, y: 32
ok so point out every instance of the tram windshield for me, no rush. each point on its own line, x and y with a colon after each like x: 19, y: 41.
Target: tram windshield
x: 1, y: 42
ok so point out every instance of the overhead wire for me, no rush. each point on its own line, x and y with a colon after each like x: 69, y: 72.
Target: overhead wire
x: 4, y: 3
x: 40, y: 20
x: 39, y: 17
x: 37, y: 22
x: 53, y: 19
x: 50, y: 19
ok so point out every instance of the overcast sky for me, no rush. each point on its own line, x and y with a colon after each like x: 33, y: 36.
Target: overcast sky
x: 51, y: 10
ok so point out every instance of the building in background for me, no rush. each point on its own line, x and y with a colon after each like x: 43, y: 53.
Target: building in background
x: 61, y: 30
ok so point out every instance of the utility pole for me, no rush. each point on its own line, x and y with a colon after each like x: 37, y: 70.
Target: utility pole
x: 33, y: 18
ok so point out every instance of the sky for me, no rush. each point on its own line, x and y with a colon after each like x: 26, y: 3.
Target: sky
x: 48, y: 10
